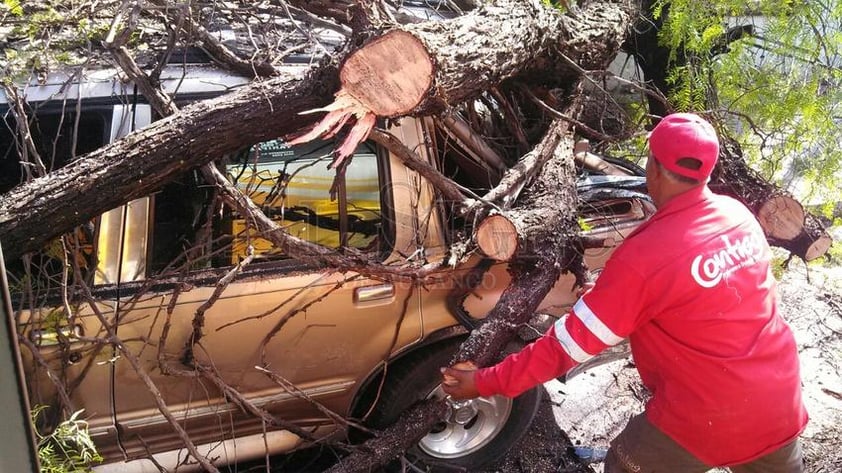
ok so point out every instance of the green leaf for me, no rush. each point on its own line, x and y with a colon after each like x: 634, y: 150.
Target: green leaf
x: 69, y: 448
x: 14, y: 6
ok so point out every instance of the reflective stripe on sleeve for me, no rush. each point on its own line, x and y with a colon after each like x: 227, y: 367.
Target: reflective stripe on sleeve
x: 594, y: 325
x: 568, y: 344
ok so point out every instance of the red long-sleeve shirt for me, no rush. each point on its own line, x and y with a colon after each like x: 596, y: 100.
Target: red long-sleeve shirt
x: 693, y: 291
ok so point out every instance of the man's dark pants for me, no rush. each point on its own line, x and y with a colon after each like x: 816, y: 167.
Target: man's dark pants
x: 643, y: 448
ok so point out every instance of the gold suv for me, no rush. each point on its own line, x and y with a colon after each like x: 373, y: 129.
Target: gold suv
x: 276, y: 358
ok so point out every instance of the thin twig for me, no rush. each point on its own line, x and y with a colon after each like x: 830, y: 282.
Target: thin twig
x: 199, y: 317
x: 558, y: 115
x: 150, y: 385
x: 292, y: 389
x: 38, y: 357
x: 28, y: 150
x: 237, y: 398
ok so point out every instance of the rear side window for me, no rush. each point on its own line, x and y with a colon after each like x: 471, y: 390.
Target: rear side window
x: 58, y: 137
x: 295, y: 187
x: 292, y: 185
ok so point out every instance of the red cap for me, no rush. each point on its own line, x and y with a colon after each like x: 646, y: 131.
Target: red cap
x: 685, y: 135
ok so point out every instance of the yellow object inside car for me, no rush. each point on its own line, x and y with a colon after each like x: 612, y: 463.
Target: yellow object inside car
x: 293, y: 187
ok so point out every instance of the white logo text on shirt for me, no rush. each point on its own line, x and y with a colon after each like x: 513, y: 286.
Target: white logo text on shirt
x: 708, y: 270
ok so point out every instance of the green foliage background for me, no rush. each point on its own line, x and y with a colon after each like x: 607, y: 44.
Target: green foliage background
x: 68, y: 448
x: 777, y: 89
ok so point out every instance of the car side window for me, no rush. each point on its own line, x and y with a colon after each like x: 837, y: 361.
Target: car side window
x: 292, y: 185
x: 58, y: 136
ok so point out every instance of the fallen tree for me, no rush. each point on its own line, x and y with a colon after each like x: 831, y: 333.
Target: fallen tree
x: 456, y: 68
x: 786, y: 223
x: 263, y: 110
x: 414, y: 69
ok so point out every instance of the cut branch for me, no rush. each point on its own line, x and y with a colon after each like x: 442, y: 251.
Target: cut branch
x: 813, y: 241
x: 499, y: 237
x: 424, y: 68
x: 548, y: 244
x: 371, y: 75
x: 783, y: 219
x: 781, y: 216
x: 449, y: 189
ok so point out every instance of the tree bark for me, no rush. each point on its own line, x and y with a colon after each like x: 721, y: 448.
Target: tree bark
x: 400, y: 437
x: 474, y: 52
x: 466, y: 63
x: 811, y: 243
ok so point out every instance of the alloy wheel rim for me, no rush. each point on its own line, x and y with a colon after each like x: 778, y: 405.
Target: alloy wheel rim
x: 469, y: 426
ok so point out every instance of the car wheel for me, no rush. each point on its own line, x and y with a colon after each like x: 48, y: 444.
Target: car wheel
x: 474, y: 434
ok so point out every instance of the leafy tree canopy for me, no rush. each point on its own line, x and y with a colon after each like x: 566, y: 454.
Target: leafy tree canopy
x: 777, y: 87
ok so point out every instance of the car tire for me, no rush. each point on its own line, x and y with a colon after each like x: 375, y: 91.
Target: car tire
x: 482, y: 433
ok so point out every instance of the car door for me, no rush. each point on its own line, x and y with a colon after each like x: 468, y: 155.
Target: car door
x: 63, y: 347
x: 288, y: 335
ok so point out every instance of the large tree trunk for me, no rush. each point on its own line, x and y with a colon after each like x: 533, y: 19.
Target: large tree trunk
x: 142, y: 162
x: 425, y: 68
x: 433, y: 65
x: 466, y: 63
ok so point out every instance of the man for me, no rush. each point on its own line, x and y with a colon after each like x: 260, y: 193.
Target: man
x: 692, y: 290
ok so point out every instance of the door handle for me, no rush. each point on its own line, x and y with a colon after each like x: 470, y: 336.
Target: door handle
x: 374, y: 293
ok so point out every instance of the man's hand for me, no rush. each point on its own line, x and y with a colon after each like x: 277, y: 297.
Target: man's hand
x: 458, y: 381
x: 584, y: 288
